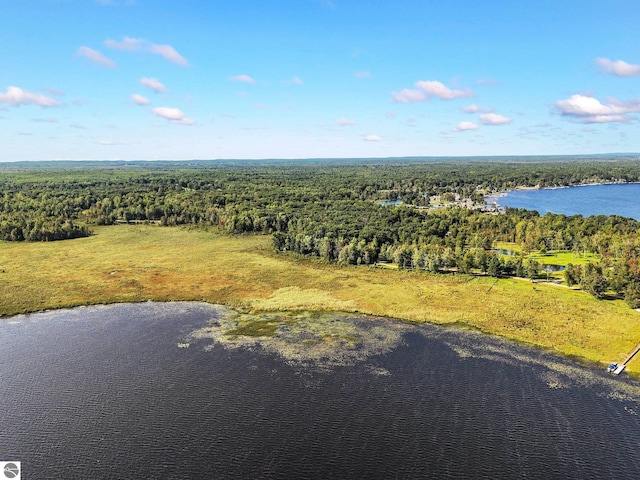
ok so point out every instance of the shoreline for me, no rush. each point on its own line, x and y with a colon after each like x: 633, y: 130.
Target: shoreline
x: 242, y: 273
x: 233, y: 316
x: 491, y: 200
x: 366, y: 316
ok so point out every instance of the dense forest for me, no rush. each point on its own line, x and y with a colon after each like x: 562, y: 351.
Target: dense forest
x: 334, y: 210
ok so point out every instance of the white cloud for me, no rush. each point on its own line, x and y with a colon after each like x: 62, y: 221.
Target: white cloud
x: 464, y: 126
x: 173, y: 115
x: 153, y: 83
x: 16, y: 96
x: 294, y: 81
x: 345, y: 122
x: 129, y: 44
x: 140, y: 100
x: 54, y: 91
x: 243, y: 78
x: 363, y: 74
x: 96, y: 57
x: 473, y: 108
x: 407, y: 96
x: 494, y: 119
x: 438, y: 89
x: 426, y: 89
x: 372, y: 138
x: 618, y: 68
x: 168, y: 52
x: 45, y: 120
x: 590, y: 110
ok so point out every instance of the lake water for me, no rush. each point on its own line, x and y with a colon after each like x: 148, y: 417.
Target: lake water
x: 586, y: 200
x: 154, y: 391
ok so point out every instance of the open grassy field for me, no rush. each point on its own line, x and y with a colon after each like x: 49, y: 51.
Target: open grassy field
x: 559, y: 258
x: 554, y: 257
x: 130, y: 263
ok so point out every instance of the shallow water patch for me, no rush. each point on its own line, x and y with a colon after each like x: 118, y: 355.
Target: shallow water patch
x: 309, y: 338
x: 552, y: 370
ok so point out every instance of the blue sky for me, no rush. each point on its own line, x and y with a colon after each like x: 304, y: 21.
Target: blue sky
x: 159, y: 79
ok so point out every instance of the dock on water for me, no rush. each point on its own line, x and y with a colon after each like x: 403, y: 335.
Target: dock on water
x: 617, y: 368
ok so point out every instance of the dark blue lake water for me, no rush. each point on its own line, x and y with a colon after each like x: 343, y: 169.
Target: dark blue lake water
x: 586, y: 200
x: 146, y: 391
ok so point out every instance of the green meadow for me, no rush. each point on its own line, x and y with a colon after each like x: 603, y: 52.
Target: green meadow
x: 134, y: 263
x: 557, y: 258
x: 554, y: 257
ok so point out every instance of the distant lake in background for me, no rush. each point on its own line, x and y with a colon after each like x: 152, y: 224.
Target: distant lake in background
x: 143, y: 391
x: 586, y: 200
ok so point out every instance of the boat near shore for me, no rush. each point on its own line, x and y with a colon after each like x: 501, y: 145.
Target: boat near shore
x: 615, y: 368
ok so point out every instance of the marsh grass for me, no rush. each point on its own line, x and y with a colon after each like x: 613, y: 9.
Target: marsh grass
x: 263, y: 326
x: 295, y: 298
x: 133, y: 263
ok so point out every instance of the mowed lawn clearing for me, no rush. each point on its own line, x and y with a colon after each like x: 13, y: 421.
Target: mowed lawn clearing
x: 133, y: 263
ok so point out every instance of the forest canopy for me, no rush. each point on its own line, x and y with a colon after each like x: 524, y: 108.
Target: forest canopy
x: 336, y: 211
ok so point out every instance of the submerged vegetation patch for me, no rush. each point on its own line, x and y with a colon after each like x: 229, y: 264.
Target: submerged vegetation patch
x: 259, y: 326
x: 309, y: 339
x: 320, y: 340
x: 169, y: 264
x: 555, y: 372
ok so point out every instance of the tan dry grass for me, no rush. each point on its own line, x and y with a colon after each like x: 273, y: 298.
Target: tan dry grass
x: 135, y: 263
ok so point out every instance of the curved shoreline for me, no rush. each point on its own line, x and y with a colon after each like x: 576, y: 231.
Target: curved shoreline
x: 162, y: 264
x: 365, y: 316
x: 338, y: 341
x: 172, y: 375
x: 491, y: 200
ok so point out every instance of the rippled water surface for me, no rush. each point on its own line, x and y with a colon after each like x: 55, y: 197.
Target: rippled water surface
x: 158, y: 391
x: 587, y: 200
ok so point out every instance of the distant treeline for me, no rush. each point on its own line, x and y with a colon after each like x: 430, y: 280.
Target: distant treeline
x: 331, y: 210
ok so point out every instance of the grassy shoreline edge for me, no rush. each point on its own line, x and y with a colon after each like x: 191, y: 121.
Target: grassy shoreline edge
x: 135, y: 263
